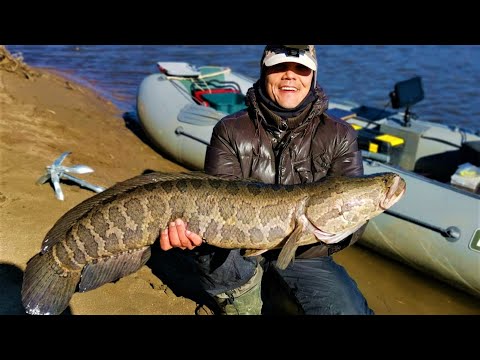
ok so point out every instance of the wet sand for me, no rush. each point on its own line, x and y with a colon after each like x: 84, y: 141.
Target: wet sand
x: 43, y: 115
x: 392, y: 288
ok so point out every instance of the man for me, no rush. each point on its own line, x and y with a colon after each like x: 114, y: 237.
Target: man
x: 284, y: 137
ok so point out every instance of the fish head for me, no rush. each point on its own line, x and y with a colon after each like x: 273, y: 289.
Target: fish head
x: 344, y: 204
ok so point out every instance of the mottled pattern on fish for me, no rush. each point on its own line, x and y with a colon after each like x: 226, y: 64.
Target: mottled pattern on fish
x: 226, y: 214
x: 108, y: 236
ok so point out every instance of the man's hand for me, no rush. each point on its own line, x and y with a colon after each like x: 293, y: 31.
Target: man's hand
x: 177, y: 236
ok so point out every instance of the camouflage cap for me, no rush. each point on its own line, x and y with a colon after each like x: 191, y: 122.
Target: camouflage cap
x: 302, y: 54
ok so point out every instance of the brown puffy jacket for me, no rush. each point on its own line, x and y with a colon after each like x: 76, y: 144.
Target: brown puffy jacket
x: 242, y: 146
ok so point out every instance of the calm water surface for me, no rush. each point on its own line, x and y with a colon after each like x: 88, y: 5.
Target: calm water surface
x: 361, y: 73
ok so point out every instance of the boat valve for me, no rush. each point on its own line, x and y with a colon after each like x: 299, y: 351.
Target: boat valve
x: 452, y: 233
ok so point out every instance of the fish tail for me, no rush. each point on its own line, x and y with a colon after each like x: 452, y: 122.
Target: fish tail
x: 46, y: 288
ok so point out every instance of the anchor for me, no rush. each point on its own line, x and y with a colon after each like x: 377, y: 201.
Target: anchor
x: 57, y: 172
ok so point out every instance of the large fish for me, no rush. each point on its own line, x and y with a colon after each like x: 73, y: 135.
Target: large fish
x: 109, y: 235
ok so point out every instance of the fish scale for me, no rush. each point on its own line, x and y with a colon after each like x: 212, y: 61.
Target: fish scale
x: 109, y: 235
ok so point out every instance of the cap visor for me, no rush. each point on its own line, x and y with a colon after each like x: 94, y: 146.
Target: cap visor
x: 281, y: 58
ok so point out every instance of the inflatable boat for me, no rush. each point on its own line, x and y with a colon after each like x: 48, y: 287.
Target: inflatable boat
x: 435, y: 228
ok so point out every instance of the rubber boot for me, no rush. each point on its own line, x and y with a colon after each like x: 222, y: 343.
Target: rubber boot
x: 244, y: 300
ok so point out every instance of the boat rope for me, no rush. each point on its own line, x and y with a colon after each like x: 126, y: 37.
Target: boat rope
x: 197, y: 85
x: 221, y: 72
x: 202, y: 76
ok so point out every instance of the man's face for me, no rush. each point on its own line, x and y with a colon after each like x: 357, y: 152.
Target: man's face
x: 287, y: 84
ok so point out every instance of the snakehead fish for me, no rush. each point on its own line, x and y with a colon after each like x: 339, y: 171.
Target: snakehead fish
x: 109, y: 235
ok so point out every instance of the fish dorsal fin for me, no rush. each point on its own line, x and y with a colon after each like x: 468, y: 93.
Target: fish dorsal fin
x: 203, y: 175
x: 191, y: 175
x: 109, y: 269
x: 61, y: 227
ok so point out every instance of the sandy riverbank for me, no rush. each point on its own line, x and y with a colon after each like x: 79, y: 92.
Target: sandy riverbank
x: 42, y: 115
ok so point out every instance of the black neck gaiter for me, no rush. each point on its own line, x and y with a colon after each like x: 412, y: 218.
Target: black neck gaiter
x: 278, y: 110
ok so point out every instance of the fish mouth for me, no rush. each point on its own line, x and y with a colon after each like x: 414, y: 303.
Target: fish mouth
x: 394, y: 193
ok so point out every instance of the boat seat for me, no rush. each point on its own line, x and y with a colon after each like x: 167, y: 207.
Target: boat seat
x: 227, y: 101
x: 200, y: 94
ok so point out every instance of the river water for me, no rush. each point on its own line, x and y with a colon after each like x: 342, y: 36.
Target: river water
x: 362, y: 73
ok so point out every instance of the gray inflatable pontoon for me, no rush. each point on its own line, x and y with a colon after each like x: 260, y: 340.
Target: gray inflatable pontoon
x: 435, y: 228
